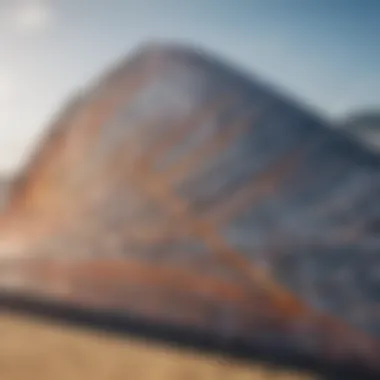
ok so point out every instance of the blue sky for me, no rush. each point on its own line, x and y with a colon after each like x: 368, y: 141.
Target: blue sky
x: 325, y: 52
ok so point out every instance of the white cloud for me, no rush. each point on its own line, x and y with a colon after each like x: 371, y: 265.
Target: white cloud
x: 29, y: 16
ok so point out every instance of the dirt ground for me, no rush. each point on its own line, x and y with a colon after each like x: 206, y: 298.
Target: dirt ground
x: 34, y: 349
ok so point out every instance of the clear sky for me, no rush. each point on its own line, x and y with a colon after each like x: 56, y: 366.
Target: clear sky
x: 326, y: 52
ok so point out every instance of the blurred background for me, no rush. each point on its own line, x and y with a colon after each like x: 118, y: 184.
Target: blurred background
x: 324, y: 53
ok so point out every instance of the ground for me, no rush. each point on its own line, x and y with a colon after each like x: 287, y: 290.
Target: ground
x: 34, y: 349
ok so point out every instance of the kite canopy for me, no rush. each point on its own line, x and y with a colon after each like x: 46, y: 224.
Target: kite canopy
x: 180, y: 192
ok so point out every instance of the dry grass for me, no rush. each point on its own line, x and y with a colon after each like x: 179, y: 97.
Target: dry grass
x: 32, y: 349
